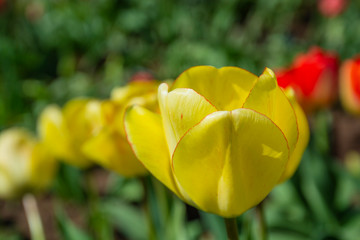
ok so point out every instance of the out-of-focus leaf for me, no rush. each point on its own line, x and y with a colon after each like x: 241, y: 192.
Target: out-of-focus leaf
x: 213, y: 224
x: 352, y: 229
x: 9, y: 236
x: 68, y: 183
x: 127, y: 218
x: 127, y: 189
x: 287, y: 236
x: 68, y: 230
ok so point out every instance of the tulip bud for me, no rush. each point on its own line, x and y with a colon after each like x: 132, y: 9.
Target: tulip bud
x: 2, y: 4
x: 142, y: 76
x: 63, y: 131
x: 25, y: 164
x: 116, y: 153
x: 313, y: 76
x: 107, y: 146
x: 352, y: 163
x: 331, y: 8
x: 350, y: 85
x: 222, y: 153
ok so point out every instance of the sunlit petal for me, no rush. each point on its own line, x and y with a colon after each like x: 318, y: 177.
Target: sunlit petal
x: 226, y: 88
x: 181, y: 109
x: 147, y: 139
x: 267, y: 98
x: 230, y: 161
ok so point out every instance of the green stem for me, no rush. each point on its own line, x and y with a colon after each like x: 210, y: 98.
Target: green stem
x: 231, y: 228
x: 262, y: 222
x: 33, y: 217
x: 147, y: 209
x: 98, y: 224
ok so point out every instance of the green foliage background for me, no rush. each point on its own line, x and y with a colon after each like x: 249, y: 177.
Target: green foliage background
x: 55, y: 50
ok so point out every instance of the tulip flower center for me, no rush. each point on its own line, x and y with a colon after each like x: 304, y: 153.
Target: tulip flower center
x: 355, y: 77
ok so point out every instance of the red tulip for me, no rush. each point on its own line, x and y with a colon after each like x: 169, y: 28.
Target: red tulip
x: 331, y: 8
x: 313, y: 76
x: 350, y: 85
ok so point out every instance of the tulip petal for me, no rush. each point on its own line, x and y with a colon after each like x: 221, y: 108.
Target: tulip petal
x: 147, y: 139
x: 241, y: 153
x: 348, y: 95
x: 267, y: 98
x: 304, y: 134
x: 42, y: 159
x: 181, y: 109
x: 112, y: 151
x: 121, y: 95
x: 226, y: 88
x: 83, y: 117
x: 54, y: 132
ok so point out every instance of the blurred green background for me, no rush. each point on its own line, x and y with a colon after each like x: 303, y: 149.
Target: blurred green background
x: 55, y: 50
x: 51, y: 51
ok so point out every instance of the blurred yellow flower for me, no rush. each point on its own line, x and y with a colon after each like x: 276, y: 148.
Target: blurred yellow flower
x: 64, y: 131
x: 109, y: 146
x: 25, y: 164
x: 222, y: 140
x: 90, y: 130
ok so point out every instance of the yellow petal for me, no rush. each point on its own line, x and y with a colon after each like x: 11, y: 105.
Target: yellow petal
x: 54, y: 132
x: 304, y: 134
x: 148, y: 100
x: 82, y: 117
x: 112, y: 151
x: 16, y: 145
x: 41, y: 159
x: 72, y: 107
x: 267, y: 98
x: 147, y: 139
x: 226, y: 88
x: 230, y: 161
x: 134, y: 89
x: 24, y: 163
x: 181, y: 109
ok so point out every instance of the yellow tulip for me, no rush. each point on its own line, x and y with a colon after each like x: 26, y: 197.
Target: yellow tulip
x: 109, y: 147
x: 222, y: 139
x: 25, y: 164
x: 64, y: 131
x: 90, y: 130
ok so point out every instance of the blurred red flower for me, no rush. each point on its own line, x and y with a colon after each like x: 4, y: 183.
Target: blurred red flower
x: 2, y: 4
x: 331, y: 8
x: 350, y: 85
x: 313, y: 76
x: 142, y: 76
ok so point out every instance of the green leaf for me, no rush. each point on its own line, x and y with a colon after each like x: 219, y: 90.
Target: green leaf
x: 126, y: 217
x: 68, y: 230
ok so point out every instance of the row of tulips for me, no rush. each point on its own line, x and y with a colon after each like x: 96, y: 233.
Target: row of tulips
x: 84, y: 132
x: 220, y: 139
x: 237, y: 134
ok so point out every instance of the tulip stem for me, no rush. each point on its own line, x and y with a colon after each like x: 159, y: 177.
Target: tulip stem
x: 33, y: 217
x: 262, y: 222
x: 147, y: 209
x: 231, y: 228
